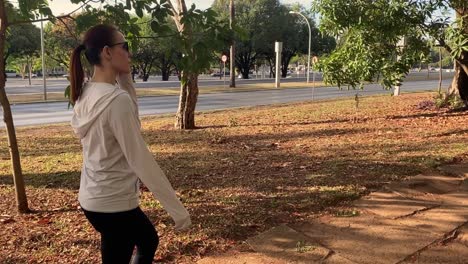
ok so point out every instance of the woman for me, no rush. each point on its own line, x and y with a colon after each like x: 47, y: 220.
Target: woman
x: 115, y: 155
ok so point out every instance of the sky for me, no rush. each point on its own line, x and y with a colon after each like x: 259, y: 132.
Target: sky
x: 62, y: 7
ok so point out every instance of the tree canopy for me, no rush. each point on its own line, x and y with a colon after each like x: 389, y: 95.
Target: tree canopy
x: 262, y: 22
x: 23, y: 40
x: 370, y: 34
x: 60, y: 38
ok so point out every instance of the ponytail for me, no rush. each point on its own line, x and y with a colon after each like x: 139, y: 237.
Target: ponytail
x: 76, y: 74
x: 95, y: 39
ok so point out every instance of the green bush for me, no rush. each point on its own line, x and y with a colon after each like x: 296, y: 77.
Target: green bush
x: 452, y: 101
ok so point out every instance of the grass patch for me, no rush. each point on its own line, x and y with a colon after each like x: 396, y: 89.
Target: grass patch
x: 242, y: 172
x: 347, y: 213
x: 303, y: 247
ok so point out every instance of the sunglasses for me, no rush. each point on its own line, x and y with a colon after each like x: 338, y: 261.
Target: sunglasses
x: 124, y: 45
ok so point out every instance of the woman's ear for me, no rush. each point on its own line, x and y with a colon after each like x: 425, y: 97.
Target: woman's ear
x: 106, y: 53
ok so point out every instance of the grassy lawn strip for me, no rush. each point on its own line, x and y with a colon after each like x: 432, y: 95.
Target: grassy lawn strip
x: 243, y: 172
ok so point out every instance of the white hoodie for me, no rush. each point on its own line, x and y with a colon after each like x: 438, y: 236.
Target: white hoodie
x: 115, y: 154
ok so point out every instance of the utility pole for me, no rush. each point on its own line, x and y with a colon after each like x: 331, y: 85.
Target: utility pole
x: 44, y: 70
x: 440, y: 69
x: 278, y: 50
x: 232, y: 58
x: 310, y: 41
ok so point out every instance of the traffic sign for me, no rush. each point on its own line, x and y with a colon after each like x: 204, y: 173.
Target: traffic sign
x: 224, y: 58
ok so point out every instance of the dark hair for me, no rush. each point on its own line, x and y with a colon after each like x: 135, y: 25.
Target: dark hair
x: 95, y: 39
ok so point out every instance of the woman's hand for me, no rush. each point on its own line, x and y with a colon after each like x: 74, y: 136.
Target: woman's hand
x: 183, y: 224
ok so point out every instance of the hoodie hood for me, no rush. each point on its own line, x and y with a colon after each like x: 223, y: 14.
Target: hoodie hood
x: 93, y: 101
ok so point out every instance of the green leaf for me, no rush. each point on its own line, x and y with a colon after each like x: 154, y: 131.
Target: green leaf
x: 139, y: 12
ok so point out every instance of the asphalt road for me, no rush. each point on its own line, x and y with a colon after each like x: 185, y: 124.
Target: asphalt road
x: 19, y: 86
x: 46, y: 113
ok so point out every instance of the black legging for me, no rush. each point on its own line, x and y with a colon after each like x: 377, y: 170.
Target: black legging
x: 121, y: 232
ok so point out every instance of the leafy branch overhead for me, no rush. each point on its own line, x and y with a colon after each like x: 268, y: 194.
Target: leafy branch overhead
x: 370, y: 38
x: 207, y: 32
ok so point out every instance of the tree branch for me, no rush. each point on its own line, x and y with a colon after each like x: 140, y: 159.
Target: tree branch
x: 176, y: 16
x: 68, y: 29
x: 48, y: 19
x: 155, y: 37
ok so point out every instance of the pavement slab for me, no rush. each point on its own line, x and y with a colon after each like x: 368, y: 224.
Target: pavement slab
x: 452, y: 253
x: 393, y: 205
x: 337, y: 259
x: 241, y: 258
x: 367, y: 238
x: 460, y: 197
x: 438, y: 221
x: 421, y: 185
x: 463, y: 235
x: 283, y: 242
x: 421, y: 220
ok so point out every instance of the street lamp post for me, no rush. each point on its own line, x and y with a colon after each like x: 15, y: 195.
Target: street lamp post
x: 44, y: 71
x: 310, y: 38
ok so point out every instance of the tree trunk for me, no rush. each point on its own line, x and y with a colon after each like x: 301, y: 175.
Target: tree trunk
x: 165, y: 69
x: 460, y: 79
x: 21, y: 199
x: 4, y: 63
x: 185, y: 118
x: 459, y: 84
x: 244, y: 62
x: 285, y: 59
x: 29, y: 70
x: 165, y: 72
x: 272, y: 68
x: 245, y: 68
x: 221, y: 70
x: 23, y: 70
x: 463, y: 65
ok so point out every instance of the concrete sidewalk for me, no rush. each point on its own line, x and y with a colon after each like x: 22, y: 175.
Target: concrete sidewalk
x: 421, y: 220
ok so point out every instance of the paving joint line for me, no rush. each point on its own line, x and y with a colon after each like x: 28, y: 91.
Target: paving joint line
x: 448, y: 237
x: 417, y: 212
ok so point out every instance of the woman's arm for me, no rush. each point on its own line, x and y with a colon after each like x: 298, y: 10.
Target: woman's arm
x: 126, y: 129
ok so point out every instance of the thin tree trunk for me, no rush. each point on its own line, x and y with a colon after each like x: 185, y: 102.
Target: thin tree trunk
x: 23, y: 70
x: 185, y: 118
x: 221, y: 70
x: 145, y: 72
x: 29, y: 70
x: 272, y: 68
x: 428, y: 71
x: 21, y: 199
x: 440, y: 71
